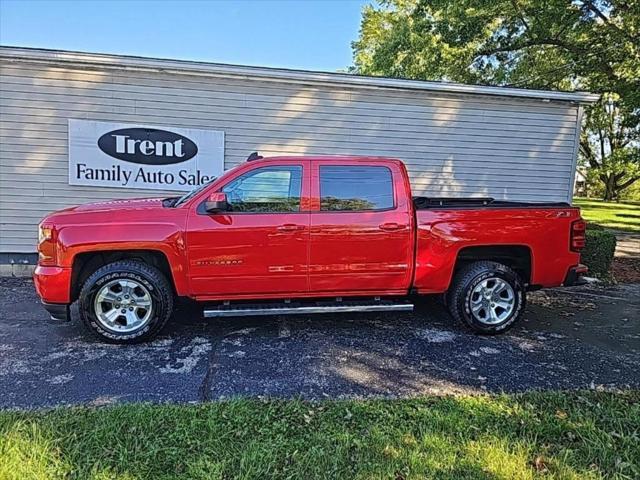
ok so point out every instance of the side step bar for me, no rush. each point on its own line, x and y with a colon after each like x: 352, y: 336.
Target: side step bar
x: 228, y: 311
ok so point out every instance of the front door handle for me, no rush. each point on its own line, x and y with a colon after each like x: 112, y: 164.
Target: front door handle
x: 290, y: 227
x: 391, y: 226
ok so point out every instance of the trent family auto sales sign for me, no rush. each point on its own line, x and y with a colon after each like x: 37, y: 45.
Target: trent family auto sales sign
x: 121, y: 155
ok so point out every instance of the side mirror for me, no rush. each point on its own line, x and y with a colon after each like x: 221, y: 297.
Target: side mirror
x: 217, y: 202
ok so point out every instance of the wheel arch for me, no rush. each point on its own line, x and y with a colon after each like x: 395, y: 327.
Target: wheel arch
x: 517, y: 257
x: 85, y: 263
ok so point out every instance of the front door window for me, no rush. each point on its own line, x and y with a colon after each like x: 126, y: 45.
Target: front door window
x: 266, y: 190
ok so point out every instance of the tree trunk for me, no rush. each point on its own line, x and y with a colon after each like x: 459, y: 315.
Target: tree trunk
x: 613, y: 189
x: 610, y: 190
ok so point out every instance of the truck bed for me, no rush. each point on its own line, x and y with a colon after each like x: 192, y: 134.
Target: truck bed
x: 449, y: 228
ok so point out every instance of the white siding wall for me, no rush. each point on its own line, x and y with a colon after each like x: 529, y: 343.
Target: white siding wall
x: 453, y: 145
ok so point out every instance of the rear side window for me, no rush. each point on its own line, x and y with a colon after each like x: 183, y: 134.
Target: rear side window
x: 355, y: 188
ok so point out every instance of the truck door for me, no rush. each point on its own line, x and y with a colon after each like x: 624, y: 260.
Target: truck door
x: 361, y: 229
x: 260, y: 246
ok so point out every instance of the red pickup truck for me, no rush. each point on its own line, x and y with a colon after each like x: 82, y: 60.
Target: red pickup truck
x: 302, y: 235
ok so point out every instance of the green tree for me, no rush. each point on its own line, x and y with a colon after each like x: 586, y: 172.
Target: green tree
x: 550, y: 44
x: 609, y: 146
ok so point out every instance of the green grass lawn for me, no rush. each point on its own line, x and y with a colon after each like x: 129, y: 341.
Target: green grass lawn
x: 546, y: 435
x: 618, y: 216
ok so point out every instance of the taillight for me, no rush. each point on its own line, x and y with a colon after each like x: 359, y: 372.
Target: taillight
x: 578, y: 235
x: 47, y: 254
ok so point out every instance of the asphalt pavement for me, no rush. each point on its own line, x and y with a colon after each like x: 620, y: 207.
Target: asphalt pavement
x: 570, y: 339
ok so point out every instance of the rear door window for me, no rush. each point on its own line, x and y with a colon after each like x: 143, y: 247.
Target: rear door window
x: 346, y: 188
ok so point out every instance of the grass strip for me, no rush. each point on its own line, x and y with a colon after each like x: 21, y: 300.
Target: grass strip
x: 547, y: 435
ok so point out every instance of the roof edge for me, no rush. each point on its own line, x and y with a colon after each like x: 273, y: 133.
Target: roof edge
x: 191, y: 67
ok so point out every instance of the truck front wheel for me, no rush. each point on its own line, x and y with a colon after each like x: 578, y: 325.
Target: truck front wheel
x: 489, y: 297
x: 127, y: 301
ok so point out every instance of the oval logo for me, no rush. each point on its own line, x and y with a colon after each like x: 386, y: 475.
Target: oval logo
x: 148, y: 146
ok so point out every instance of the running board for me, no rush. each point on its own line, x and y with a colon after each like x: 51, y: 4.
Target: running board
x: 230, y: 311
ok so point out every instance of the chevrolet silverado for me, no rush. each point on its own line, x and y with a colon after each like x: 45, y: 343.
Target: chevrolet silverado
x: 302, y: 235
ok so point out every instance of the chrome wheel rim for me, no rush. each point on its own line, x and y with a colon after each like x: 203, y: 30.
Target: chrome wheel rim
x: 492, y: 301
x: 123, y: 305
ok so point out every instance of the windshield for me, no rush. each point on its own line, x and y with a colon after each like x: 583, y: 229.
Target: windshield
x: 192, y: 193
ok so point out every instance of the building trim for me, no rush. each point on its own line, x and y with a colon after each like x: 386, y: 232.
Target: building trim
x: 14, y: 258
x: 576, y: 149
x: 188, y: 67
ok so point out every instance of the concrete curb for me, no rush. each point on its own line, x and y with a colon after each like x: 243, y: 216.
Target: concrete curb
x: 16, y: 270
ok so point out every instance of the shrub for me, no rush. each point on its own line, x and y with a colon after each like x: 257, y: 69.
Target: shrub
x: 595, y: 226
x: 599, y: 250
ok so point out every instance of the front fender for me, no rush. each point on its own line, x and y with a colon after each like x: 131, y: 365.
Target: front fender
x: 164, y: 237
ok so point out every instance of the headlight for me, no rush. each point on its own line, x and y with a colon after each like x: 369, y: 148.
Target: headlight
x: 44, y: 233
x: 47, y: 254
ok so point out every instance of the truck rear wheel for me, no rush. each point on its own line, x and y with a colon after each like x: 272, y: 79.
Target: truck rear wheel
x: 488, y: 297
x: 126, y: 301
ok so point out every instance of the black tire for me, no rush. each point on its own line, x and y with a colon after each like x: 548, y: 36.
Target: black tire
x: 469, y: 277
x: 146, y: 275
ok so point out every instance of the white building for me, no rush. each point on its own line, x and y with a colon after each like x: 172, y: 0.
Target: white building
x: 457, y: 140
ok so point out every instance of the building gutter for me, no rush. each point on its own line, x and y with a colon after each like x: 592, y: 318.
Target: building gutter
x: 186, y: 67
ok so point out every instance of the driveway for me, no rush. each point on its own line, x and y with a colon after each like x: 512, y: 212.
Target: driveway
x: 579, y: 338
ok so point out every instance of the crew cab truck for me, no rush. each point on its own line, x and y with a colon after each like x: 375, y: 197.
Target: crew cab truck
x: 302, y: 235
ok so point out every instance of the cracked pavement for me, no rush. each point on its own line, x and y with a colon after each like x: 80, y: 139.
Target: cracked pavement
x: 586, y: 337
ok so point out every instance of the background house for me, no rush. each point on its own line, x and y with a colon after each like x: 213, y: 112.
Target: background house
x: 456, y: 140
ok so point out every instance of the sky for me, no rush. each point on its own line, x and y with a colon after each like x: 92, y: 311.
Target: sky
x: 304, y: 34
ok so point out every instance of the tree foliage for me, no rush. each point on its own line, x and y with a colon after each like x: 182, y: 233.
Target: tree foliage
x: 550, y: 44
x: 609, y: 146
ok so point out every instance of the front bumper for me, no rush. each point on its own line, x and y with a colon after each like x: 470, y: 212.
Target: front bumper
x: 53, y: 284
x: 575, y: 276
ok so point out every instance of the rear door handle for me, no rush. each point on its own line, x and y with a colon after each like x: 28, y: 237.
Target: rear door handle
x: 290, y: 227
x: 390, y: 226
